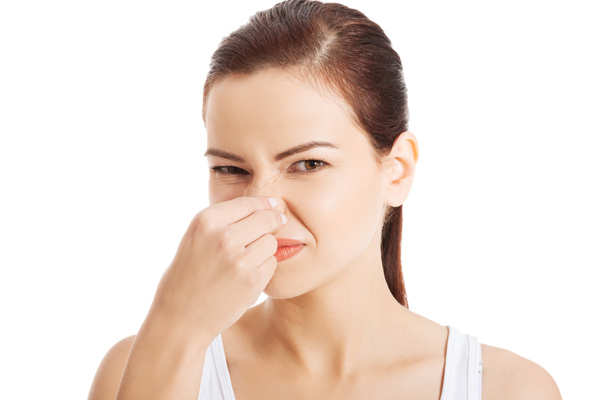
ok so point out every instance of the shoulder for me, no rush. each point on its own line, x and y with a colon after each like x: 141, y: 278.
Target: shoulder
x: 507, y: 375
x: 108, y: 376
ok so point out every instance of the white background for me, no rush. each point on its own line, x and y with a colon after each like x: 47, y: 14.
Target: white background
x: 101, y: 170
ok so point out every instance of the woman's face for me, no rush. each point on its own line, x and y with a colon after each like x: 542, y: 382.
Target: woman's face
x: 334, y: 204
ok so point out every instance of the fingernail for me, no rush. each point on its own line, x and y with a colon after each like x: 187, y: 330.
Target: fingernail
x: 283, y: 218
x: 273, y: 201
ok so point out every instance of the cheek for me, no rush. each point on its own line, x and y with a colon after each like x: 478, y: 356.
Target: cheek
x: 340, y: 211
x: 334, y: 207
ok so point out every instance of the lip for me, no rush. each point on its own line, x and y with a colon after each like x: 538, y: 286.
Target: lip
x: 288, y: 242
x: 287, y: 248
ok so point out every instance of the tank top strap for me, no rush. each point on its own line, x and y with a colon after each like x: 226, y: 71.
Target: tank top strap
x: 463, y: 368
x: 215, y: 383
x: 462, y: 371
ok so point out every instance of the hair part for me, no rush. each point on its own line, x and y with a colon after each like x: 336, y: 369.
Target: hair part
x: 339, y: 51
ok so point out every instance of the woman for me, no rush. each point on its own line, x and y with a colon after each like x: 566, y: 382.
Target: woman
x: 311, y: 160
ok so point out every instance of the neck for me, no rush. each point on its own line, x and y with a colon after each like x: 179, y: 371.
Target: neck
x: 333, y: 329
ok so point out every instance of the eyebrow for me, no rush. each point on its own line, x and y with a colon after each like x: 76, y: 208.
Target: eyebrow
x: 284, y: 154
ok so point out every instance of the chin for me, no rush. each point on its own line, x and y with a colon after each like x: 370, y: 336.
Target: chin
x: 282, y: 291
x: 287, y: 285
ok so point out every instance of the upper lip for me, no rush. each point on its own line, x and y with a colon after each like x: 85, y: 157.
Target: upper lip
x: 287, y: 242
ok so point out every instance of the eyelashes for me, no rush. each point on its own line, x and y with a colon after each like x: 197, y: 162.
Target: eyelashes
x: 230, y: 170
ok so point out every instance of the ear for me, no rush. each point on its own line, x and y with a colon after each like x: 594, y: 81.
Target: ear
x: 399, y: 168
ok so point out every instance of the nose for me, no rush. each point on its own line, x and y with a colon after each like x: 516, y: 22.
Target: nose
x: 267, y: 185
x: 264, y: 184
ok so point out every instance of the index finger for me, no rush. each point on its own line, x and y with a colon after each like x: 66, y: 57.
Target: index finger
x: 239, y: 208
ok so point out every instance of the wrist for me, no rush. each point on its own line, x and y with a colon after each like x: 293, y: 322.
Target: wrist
x: 161, y: 325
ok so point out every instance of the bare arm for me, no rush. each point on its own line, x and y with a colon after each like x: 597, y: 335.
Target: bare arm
x: 509, y: 376
x: 223, y: 262
x: 157, y: 363
x: 108, y: 376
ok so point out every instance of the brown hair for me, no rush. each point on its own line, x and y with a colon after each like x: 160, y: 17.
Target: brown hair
x: 339, y: 48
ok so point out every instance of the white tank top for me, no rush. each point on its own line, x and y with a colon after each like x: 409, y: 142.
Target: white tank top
x: 462, y: 373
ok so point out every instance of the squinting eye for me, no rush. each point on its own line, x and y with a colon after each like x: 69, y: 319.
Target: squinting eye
x: 228, y: 170
x: 311, y: 165
x: 304, y: 166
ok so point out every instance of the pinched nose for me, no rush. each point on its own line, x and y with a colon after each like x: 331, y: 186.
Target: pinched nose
x: 262, y: 183
x: 266, y: 184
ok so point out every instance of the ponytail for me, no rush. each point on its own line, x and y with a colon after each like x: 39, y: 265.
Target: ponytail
x: 391, y: 246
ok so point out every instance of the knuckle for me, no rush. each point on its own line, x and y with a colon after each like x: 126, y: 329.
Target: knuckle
x: 226, y: 240
x: 205, y: 220
x: 235, y: 265
x: 253, y: 279
x: 240, y: 263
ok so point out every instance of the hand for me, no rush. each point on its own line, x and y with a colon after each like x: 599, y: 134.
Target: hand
x: 223, y: 263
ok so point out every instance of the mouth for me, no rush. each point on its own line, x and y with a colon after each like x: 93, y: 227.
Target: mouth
x: 287, y: 248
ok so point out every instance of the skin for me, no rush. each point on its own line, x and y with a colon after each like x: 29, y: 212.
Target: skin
x: 330, y: 327
x: 327, y: 303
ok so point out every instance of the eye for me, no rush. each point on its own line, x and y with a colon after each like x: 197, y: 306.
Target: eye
x: 304, y: 166
x: 310, y: 165
x: 227, y: 170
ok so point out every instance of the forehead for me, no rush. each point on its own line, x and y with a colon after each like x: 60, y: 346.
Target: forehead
x: 276, y: 106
